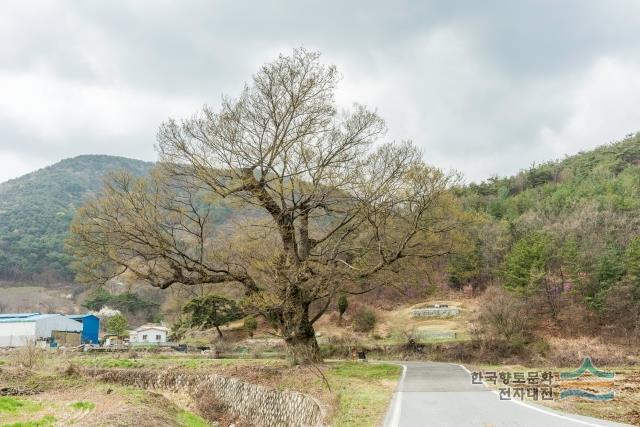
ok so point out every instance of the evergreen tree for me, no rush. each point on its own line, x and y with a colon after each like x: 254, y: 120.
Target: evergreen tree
x: 610, y: 270
x: 571, y: 261
x: 250, y: 325
x: 212, y: 311
x: 464, y: 268
x: 632, y: 260
x: 527, y: 263
x: 343, y: 304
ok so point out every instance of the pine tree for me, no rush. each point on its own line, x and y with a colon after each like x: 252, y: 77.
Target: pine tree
x: 212, y: 311
x: 571, y: 261
x: 632, y: 264
x: 343, y: 304
x: 609, y: 271
x: 527, y: 263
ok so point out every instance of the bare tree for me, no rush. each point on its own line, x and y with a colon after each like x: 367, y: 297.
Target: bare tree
x: 321, y: 211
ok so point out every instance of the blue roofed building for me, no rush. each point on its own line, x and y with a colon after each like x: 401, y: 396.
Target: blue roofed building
x: 90, y: 327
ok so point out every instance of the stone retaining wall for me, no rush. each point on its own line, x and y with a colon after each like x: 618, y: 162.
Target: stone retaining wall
x: 259, y: 405
x: 435, y: 312
x: 435, y: 335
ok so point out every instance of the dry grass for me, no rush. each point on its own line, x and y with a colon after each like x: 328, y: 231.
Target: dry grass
x: 68, y: 399
x: 394, y: 326
x: 565, y: 352
x: 16, y: 299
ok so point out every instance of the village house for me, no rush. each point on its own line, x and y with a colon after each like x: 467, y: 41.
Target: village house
x: 149, y: 334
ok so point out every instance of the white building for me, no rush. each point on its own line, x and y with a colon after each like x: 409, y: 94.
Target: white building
x: 149, y: 334
x: 20, y: 329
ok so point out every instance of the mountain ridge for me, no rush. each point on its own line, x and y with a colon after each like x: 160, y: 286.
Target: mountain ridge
x: 36, y: 210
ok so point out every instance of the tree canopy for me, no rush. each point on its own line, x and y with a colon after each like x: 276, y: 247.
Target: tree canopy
x: 331, y: 207
x: 211, y: 311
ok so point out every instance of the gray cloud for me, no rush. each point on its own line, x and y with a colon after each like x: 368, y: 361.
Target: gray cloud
x: 482, y: 87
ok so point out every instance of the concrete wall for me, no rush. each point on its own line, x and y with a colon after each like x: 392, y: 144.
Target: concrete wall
x: 435, y: 312
x: 435, y: 335
x: 258, y: 405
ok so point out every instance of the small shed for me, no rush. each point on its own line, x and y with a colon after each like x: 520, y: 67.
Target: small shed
x: 90, y: 327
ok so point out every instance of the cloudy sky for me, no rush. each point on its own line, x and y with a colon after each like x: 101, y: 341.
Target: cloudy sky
x: 484, y: 87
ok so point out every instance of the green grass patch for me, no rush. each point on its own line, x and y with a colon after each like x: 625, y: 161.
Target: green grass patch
x: 83, y: 405
x: 45, y: 421
x: 364, y: 391
x: 108, y: 362
x: 12, y: 405
x: 189, y: 419
x: 367, y: 371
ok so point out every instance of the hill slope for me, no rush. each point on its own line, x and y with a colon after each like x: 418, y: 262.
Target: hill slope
x: 36, y: 210
x: 607, y: 176
x: 565, y: 235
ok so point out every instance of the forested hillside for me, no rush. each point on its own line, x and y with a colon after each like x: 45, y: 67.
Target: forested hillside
x: 564, y: 233
x: 36, y: 210
x: 563, y: 236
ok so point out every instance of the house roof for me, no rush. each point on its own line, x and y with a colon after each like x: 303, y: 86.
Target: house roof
x: 151, y: 326
x: 30, y: 318
x: 80, y: 316
x: 16, y: 315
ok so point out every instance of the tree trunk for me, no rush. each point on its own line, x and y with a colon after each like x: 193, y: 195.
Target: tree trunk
x: 219, y: 331
x: 299, y: 336
x: 302, y: 346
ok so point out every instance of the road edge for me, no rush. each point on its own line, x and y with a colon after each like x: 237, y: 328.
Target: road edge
x: 392, y: 418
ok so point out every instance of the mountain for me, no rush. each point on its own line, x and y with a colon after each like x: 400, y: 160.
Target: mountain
x: 592, y: 197
x: 608, y: 177
x: 565, y: 224
x: 36, y: 210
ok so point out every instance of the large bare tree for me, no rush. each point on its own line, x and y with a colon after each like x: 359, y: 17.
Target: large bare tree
x: 321, y: 209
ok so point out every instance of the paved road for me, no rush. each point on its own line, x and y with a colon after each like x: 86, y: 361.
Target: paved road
x: 441, y: 395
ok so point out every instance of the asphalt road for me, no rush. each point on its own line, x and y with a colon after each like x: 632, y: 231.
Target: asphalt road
x: 441, y: 395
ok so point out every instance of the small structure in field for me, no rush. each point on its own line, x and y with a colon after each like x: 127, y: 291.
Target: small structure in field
x: 90, y: 327
x: 149, y: 334
x: 115, y: 341
x: 21, y: 329
x: 435, y: 310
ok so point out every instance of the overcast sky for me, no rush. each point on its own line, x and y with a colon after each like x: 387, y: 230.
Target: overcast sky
x: 484, y: 87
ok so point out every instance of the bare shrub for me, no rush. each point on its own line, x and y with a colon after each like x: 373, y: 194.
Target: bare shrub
x: 570, y: 352
x: 208, y: 407
x: 29, y: 356
x: 340, y: 346
x: 503, y: 324
x: 364, y: 320
x: 257, y: 350
x: 221, y: 347
x: 72, y: 370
